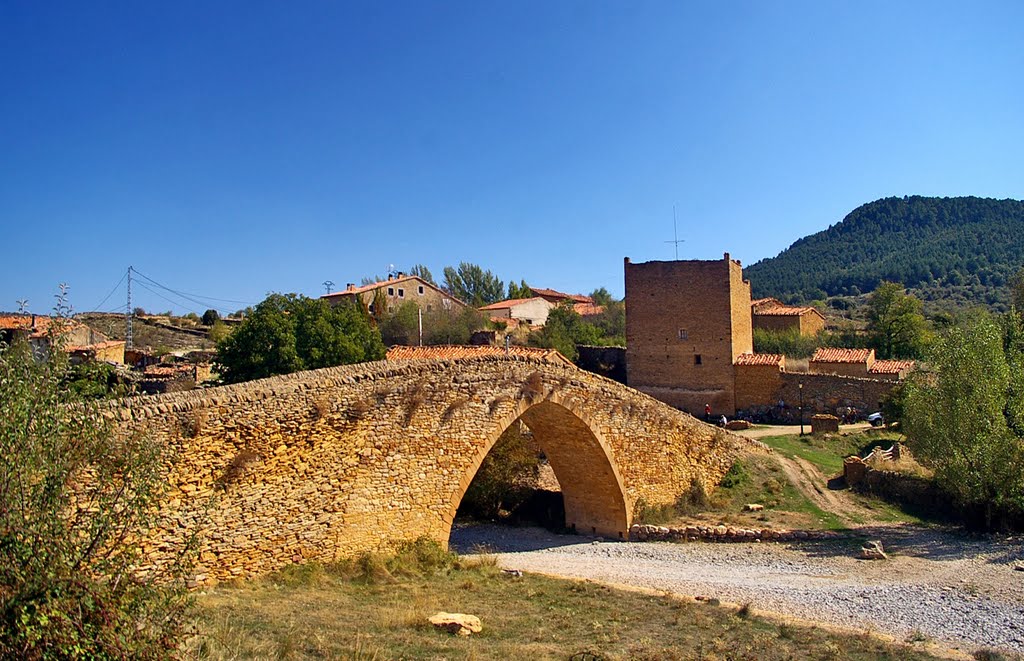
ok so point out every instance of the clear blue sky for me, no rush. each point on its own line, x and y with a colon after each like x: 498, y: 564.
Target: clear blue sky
x: 230, y: 149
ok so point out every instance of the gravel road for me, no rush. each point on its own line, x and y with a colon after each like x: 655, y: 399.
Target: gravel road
x: 961, y: 590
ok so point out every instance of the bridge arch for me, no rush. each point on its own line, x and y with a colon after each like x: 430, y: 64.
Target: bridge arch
x: 332, y: 463
x: 592, y: 487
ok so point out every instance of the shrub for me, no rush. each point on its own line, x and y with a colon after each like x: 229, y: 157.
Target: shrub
x: 73, y: 500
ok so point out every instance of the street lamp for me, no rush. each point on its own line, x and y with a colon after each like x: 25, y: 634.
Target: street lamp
x: 800, y: 387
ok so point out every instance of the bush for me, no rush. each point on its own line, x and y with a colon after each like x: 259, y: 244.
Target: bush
x: 73, y: 500
x: 505, y: 478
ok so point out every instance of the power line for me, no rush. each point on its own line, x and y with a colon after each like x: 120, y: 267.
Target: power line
x: 97, y: 307
x: 188, y: 295
x: 176, y: 303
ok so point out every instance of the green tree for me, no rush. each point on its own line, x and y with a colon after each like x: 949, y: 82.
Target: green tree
x: 563, y: 330
x: 210, y: 317
x: 74, y: 502
x: 964, y: 419
x: 422, y: 272
x: 506, y: 477
x: 896, y: 326
x: 601, y: 296
x: 401, y: 325
x: 522, y: 290
x: 218, y: 332
x: 473, y: 285
x: 456, y: 326
x: 1016, y: 285
x: 288, y: 333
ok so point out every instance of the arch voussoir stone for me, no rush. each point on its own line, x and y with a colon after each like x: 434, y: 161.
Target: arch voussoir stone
x: 332, y: 463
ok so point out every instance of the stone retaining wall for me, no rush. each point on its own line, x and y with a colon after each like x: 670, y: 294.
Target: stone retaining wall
x: 645, y: 533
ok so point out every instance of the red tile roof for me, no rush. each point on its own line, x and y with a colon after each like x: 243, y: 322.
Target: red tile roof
x: 759, y: 359
x: 96, y: 345
x: 833, y: 355
x: 510, y: 303
x: 757, y: 302
x: 459, y: 351
x: 38, y: 324
x: 587, y: 309
x: 891, y: 366
x: 387, y: 283
x: 551, y: 293
x: 784, y: 311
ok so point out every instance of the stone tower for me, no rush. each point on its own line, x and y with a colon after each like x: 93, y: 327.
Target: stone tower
x: 686, y: 322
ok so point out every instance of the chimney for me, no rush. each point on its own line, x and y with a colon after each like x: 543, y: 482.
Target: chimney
x: 350, y: 286
x: 401, y: 274
x: 33, y: 321
x: 390, y: 277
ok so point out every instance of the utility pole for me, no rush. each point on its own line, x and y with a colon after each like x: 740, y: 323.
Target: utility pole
x: 419, y: 312
x: 128, y: 313
x: 22, y: 305
x: 328, y: 284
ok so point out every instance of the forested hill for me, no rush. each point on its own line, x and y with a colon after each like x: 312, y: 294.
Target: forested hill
x: 962, y: 248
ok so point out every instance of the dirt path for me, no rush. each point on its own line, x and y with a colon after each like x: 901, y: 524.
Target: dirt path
x: 760, y: 431
x: 810, y: 481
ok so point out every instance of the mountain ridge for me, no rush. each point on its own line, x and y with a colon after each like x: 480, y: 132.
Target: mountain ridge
x: 961, y: 248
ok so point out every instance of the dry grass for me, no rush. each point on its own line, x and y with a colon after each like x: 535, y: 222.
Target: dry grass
x: 533, y: 387
x: 339, y: 612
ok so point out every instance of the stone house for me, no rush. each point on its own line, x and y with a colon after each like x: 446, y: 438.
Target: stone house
x: 849, y: 362
x: 399, y: 289
x: 531, y: 311
x: 689, y: 343
x: 78, y: 339
x: 555, y: 297
x: 770, y: 314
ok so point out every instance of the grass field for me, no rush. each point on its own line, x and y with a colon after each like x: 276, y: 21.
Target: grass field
x: 316, y: 613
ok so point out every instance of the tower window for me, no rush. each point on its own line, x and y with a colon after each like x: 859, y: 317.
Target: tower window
x: 683, y: 335
x: 696, y: 359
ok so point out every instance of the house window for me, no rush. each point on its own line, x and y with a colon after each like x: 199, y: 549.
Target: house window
x: 420, y: 290
x: 696, y: 359
x: 391, y: 291
x: 429, y: 307
x: 401, y: 293
x: 683, y: 335
x: 370, y: 308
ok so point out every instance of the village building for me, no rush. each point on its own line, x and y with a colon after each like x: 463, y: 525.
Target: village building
x: 530, y: 311
x: 555, y: 297
x: 398, y: 289
x: 686, y: 324
x: 79, y: 340
x: 689, y: 328
x: 771, y: 315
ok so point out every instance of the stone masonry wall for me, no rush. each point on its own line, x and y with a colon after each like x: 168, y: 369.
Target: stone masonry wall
x: 757, y: 385
x: 332, y: 463
x: 686, y: 321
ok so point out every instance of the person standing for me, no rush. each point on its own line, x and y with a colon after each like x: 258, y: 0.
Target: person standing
x: 707, y: 412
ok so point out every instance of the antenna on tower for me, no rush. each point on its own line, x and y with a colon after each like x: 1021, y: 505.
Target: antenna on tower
x: 22, y: 305
x: 328, y: 284
x: 675, y: 234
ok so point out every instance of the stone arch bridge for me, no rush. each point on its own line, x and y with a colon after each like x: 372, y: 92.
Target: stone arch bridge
x: 331, y: 463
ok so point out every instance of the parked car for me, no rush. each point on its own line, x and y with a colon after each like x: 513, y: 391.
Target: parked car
x: 876, y: 420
